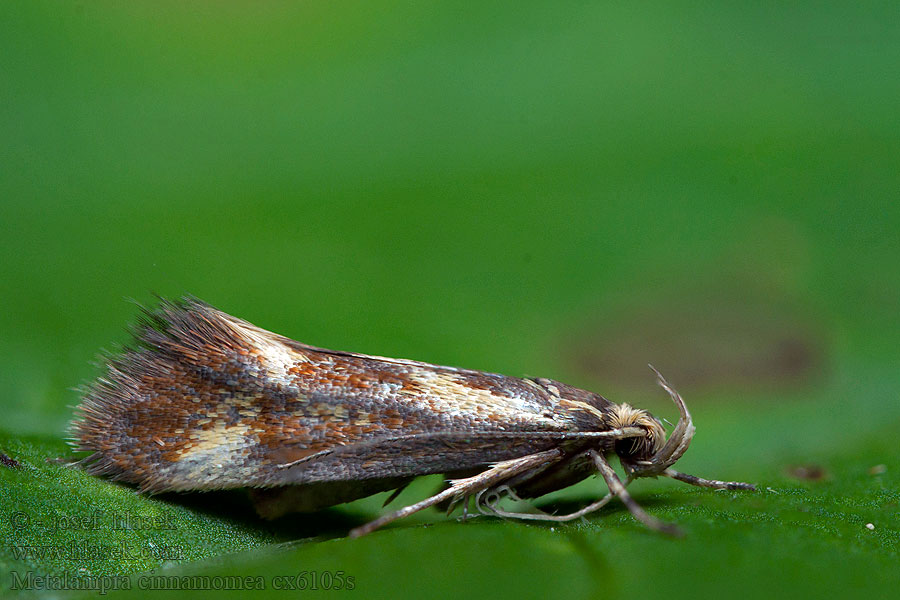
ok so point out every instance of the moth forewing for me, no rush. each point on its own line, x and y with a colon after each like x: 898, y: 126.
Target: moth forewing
x: 203, y: 400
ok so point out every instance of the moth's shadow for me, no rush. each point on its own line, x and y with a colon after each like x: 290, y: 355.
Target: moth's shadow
x: 329, y: 523
x: 237, y: 507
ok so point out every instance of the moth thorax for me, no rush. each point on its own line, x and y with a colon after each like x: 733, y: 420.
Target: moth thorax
x: 642, y: 447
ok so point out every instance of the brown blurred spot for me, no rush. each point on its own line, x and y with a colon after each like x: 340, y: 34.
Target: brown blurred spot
x: 809, y: 472
x: 6, y: 461
x: 878, y: 470
x: 699, y: 343
x: 739, y: 317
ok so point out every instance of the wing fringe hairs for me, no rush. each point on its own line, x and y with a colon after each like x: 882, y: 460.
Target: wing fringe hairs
x: 168, y: 343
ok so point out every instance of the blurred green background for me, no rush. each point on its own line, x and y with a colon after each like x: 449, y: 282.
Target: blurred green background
x: 569, y: 190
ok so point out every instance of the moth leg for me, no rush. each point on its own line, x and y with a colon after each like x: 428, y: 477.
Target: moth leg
x: 486, y: 500
x: 617, y: 488
x: 451, y: 505
x: 394, y: 494
x: 465, y: 508
x: 486, y: 503
x: 709, y: 483
x: 594, y: 506
x: 464, y: 487
x: 511, y: 493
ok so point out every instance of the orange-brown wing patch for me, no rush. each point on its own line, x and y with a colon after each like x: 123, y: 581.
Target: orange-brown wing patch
x: 205, y: 400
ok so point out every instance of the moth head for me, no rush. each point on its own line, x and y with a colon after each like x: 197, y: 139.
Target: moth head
x: 640, y: 447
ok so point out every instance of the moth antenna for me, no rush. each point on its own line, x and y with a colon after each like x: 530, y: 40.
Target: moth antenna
x: 678, y: 442
x: 709, y: 483
x: 617, y: 488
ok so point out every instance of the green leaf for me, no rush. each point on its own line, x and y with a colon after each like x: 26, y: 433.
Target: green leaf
x: 569, y: 190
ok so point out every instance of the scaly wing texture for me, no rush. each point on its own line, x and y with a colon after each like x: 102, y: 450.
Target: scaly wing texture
x: 204, y: 400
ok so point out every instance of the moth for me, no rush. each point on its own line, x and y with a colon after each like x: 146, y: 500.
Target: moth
x: 202, y: 400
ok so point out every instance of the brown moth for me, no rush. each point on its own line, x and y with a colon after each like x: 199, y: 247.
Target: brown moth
x: 203, y: 400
